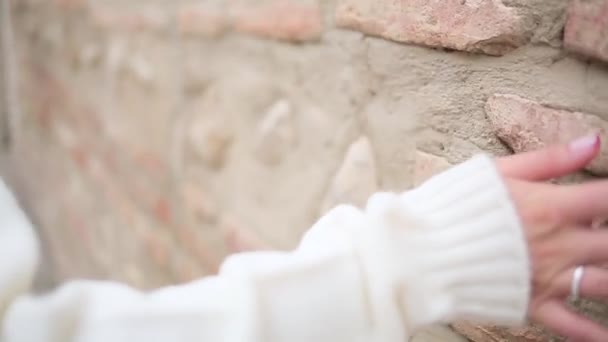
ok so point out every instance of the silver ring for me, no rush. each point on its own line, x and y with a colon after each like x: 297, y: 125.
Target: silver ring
x: 577, y: 277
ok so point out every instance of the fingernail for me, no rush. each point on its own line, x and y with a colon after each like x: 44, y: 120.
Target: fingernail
x: 584, y: 144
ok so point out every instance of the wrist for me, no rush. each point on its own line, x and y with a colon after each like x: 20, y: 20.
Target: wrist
x: 454, y: 248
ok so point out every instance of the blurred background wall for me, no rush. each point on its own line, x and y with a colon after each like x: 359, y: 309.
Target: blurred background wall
x: 148, y: 139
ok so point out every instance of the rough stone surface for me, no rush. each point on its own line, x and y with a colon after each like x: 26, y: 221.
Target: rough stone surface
x: 477, y: 333
x: 276, y: 133
x: 210, y: 140
x: 527, y: 125
x: 356, y: 178
x: 587, y: 28
x: 478, y: 26
x: 141, y: 70
x: 427, y: 165
x: 438, y: 333
x: 292, y: 20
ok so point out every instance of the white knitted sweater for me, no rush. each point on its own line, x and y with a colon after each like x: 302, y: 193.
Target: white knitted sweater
x: 451, y: 249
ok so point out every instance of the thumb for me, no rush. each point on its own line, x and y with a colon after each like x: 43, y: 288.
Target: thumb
x: 551, y: 162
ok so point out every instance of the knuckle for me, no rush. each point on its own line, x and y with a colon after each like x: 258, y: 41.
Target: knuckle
x: 548, y: 215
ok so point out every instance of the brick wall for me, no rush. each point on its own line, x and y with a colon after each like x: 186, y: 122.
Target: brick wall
x: 158, y: 136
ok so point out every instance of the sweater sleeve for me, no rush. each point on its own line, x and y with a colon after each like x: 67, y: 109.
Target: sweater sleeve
x: 452, y: 248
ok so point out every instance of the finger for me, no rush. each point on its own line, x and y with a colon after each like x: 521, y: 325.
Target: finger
x: 584, y: 247
x: 581, y: 203
x: 551, y: 162
x: 567, y: 323
x: 594, y: 283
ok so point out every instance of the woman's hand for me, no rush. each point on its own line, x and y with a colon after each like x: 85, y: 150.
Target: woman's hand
x: 558, y: 221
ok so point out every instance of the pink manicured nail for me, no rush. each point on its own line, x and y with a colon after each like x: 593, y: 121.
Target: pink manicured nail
x: 584, y: 144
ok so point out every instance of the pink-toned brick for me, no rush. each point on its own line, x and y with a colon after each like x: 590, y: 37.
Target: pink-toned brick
x: 200, y: 249
x: 478, y: 26
x: 203, y: 20
x: 290, y: 20
x: 197, y: 203
x: 239, y: 238
x: 162, y: 211
x: 587, y: 28
x: 118, y: 19
x: 526, y: 125
x: 157, y: 247
x: 186, y: 270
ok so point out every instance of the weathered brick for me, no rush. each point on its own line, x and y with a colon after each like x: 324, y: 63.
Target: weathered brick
x: 526, y: 125
x: 157, y: 247
x: 150, y: 162
x: 186, y: 269
x: 198, y: 203
x: 427, y: 165
x: 290, y: 20
x: 356, y: 178
x: 197, y: 247
x: 204, y: 20
x: 146, y: 18
x: 478, y: 26
x: 162, y: 211
x: 240, y: 238
x: 139, y: 176
x: 587, y: 28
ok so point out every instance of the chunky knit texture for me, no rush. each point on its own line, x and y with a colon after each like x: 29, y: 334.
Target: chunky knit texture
x: 451, y: 249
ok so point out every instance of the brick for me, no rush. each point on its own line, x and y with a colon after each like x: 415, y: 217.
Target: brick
x: 118, y: 19
x: 526, y: 125
x: 198, y: 203
x: 186, y: 270
x: 356, y: 178
x: 290, y: 20
x: 150, y: 162
x: 140, y: 176
x: 586, y: 29
x: 157, y: 247
x: 80, y: 156
x: 276, y: 133
x: 239, y: 238
x: 427, y: 165
x: 163, y: 212
x: 202, y: 20
x: 198, y: 248
x: 485, y: 26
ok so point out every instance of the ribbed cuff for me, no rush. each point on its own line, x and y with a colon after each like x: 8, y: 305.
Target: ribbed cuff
x: 451, y: 249
x: 19, y: 248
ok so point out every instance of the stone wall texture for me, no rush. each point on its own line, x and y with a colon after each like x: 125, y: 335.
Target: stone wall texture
x: 153, y: 138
